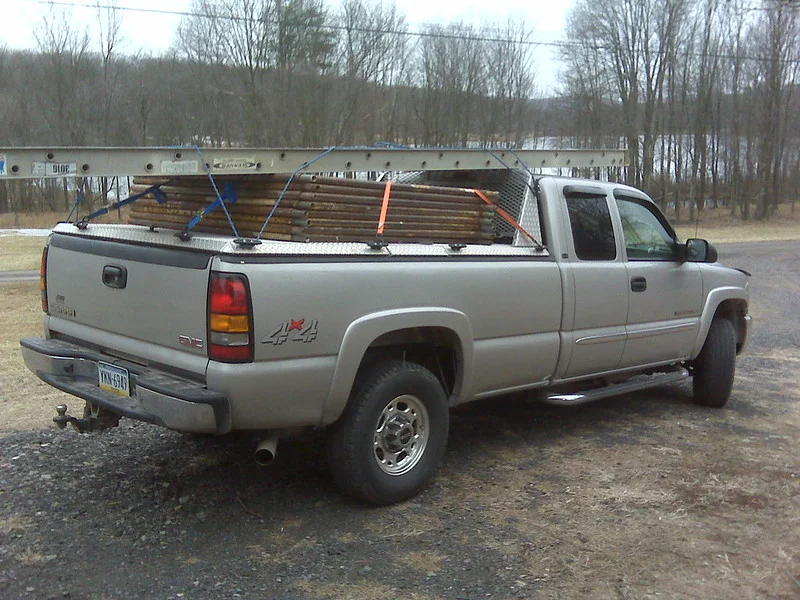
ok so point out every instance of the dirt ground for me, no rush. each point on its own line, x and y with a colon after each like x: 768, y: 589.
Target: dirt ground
x: 640, y: 497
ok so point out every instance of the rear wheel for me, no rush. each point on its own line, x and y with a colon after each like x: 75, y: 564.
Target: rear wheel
x: 391, y: 438
x: 715, y: 366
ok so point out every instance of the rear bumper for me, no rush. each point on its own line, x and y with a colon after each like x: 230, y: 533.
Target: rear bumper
x: 156, y: 397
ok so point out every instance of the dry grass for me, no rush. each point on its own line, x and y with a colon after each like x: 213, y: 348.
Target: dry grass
x: 283, y: 541
x: 718, y: 226
x: 31, y: 558
x: 46, y: 220
x: 20, y: 253
x: 369, y: 590
x: 14, y: 523
x: 424, y: 561
x: 25, y: 401
x: 596, y: 513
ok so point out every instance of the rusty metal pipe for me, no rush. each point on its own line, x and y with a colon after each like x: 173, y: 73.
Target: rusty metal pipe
x: 356, y: 195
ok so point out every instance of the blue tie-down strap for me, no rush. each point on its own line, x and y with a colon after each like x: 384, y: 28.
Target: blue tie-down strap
x: 154, y: 190
x: 79, y: 197
x: 228, y: 196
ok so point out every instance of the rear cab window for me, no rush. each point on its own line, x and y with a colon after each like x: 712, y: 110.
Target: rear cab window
x: 590, y: 222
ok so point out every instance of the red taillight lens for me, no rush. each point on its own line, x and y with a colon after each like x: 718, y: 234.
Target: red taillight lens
x: 230, y: 322
x: 229, y: 295
x: 233, y: 354
x: 43, y: 279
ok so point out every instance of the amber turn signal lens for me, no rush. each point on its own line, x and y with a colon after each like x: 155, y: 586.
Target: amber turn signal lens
x: 229, y: 323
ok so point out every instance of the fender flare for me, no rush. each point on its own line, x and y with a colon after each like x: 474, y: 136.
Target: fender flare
x: 360, y: 334
x: 713, y: 301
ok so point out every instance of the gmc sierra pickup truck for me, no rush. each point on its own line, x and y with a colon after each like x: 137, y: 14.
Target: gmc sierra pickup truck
x: 375, y: 342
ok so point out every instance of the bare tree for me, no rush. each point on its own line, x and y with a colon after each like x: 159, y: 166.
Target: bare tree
x: 110, y: 39
x: 451, y: 76
x: 777, y: 43
x: 509, y: 85
x: 371, y: 51
x: 634, y: 39
x: 64, y: 62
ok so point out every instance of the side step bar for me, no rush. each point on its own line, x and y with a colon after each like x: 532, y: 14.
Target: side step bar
x: 639, y: 382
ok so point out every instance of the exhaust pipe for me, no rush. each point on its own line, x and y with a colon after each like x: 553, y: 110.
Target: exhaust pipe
x: 266, y: 451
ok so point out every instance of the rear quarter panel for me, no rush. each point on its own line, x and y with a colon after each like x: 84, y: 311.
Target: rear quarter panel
x: 513, y: 308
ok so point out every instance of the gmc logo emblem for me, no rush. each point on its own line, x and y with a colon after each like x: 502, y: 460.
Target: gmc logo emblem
x: 185, y: 340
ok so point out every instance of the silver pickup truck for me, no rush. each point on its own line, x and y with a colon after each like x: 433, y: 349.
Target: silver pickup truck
x: 374, y: 343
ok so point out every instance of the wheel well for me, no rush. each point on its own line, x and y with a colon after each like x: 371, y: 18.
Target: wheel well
x: 734, y: 311
x: 438, y: 349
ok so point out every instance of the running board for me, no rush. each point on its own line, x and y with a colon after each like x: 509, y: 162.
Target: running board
x: 639, y: 382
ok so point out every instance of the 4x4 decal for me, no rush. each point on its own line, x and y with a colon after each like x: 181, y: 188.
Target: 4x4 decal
x: 293, y: 330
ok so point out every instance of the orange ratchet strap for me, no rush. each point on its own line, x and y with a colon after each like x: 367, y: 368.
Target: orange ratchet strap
x: 385, y: 208
x: 506, y: 216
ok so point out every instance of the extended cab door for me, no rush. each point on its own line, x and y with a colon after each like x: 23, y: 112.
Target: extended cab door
x: 596, y: 339
x: 665, y: 294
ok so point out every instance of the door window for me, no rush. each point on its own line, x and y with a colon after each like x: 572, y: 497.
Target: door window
x: 592, y: 232
x: 646, y: 237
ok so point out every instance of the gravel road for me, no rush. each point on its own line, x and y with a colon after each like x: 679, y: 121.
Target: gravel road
x: 612, y: 500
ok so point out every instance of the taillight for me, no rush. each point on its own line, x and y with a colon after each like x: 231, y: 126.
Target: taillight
x: 230, y: 321
x: 43, y: 278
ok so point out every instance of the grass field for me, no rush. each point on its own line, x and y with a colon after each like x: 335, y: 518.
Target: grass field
x: 718, y: 227
x: 20, y: 253
x: 25, y: 401
x: 46, y: 220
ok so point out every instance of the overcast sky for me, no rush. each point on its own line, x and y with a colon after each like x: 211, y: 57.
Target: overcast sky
x: 153, y: 32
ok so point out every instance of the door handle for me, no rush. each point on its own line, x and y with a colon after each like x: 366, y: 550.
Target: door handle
x: 115, y: 277
x: 638, y: 284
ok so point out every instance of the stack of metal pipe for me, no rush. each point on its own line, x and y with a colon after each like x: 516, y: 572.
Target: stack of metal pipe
x: 317, y: 208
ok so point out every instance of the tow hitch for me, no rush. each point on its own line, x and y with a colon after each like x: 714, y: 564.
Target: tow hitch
x: 95, y: 418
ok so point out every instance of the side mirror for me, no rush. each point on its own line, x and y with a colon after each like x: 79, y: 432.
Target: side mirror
x: 698, y: 250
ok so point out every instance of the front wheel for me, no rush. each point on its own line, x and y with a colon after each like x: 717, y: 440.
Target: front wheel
x: 715, y: 365
x: 392, y: 435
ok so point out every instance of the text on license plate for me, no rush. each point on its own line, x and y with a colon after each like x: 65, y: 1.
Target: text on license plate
x: 113, y: 379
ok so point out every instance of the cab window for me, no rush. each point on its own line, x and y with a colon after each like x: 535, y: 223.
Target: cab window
x: 646, y: 237
x: 592, y: 231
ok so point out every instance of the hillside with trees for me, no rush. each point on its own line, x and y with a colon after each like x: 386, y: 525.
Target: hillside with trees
x: 702, y: 93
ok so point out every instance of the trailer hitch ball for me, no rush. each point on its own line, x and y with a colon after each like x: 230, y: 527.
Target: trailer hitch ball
x: 94, y: 419
x: 62, y: 419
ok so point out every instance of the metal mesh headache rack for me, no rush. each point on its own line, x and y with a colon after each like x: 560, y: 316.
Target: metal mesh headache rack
x: 425, y: 195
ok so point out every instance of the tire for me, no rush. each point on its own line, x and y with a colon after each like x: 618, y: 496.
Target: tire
x: 715, y: 365
x: 388, y: 443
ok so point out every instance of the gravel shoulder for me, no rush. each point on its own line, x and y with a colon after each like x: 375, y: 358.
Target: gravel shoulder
x: 643, y: 496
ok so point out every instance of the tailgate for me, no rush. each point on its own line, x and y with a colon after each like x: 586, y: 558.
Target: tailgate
x: 148, y: 293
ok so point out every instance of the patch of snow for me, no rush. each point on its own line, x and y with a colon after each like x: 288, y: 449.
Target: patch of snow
x: 25, y: 232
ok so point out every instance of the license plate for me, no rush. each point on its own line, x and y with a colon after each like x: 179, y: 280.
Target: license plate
x: 114, y: 379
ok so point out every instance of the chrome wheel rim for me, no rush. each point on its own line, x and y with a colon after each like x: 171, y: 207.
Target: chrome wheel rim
x: 401, y: 435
